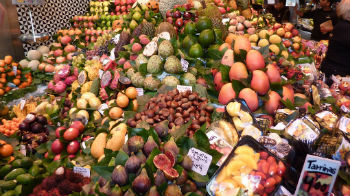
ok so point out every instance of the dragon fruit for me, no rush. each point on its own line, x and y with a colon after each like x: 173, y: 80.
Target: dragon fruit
x: 70, y: 79
x: 114, y: 83
x: 51, y: 86
x: 106, y: 79
x: 56, y: 78
x: 60, y: 87
x: 103, y: 94
x: 64, y: 72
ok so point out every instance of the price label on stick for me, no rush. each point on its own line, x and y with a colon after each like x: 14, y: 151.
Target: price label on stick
x: 82, y: 170
x: 102, y: 108
x: 183, y: 88
x: 139, y: 91
x: 201, y: 161
x: 318, y: 176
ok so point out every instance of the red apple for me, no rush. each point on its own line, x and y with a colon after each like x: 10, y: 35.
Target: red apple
x: 295, y: 32
x: 73, y: 147
x: 117, y: 8
x: 78, y: 125
x: 168, y: 14
x: 57, y: 146
x: 70, y: 134
x: 179, y: 22
x: 187, y: 15
x: 169, y: 20
x: 288, y: 26
x: 57, y: 157
x: 177, y: 14
x: 58, y: 130
x: 286, y: 43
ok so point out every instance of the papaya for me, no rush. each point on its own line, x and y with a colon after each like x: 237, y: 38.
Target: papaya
x: 14, y: 173
x: 98, y: 145
x: 5, y: 170
x: 117, y: 140
x: 7, y: 185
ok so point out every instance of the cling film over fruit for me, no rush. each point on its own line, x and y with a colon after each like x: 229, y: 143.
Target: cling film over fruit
x: 249, y: 169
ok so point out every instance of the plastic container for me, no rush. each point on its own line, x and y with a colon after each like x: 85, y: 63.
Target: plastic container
x: 251, y: 169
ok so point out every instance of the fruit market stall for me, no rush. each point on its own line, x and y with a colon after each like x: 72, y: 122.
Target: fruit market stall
x: 173, y: 98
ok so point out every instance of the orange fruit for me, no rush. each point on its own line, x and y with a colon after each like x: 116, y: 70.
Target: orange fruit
x: 18, y: 76
x: 1, y: 85
x: 2, y: 92
x: 16, y: 81
x: 122, y: 101
x: 19, y: 72
x: 135, y: 105
x: 131, y: 92
x: 6, y: 150
x: 115, y: 113
x: 14, y: 64
x: 3, y: 75
x: 8, y: 59
x: 7, y: 89
x: 11, y: 73
x: 12, y: 158
x: 3, y: 80
x: 2, y: 142
x: 2, y: 63
x: 2, y: 69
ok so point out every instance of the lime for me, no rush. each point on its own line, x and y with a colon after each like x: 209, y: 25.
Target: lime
x: 206, y: 37
x: 190, y: 28
x: 203, y: 23
x: 196, y: 51
x: 189, y: 41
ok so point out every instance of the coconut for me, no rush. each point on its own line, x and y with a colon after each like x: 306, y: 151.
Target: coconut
x: 33, y: 65
x: 43, y: 49
x: 34, y: 55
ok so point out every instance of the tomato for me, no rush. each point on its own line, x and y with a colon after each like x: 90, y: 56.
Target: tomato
x: 6, y: 150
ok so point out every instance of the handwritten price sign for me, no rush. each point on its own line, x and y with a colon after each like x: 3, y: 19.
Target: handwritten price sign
x: 201, y: 161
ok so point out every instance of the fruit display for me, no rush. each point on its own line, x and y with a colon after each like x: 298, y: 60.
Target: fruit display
x: 62, y: 182
x: 9, y: 127
x: 99, y: 7
x: 168, y: 112
x: 254, y: 171
x: 13, y: 75
x: 21, y: 175
x: 180, y: 16
x: 172, y: 98
x: 122, y: 7
x: 33, y: 130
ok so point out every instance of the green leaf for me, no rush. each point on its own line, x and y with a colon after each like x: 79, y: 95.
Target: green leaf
x: 201, y: 139
x: 51, y: 167
x: 121, y: 158
x: 149, y: 162
x: 128, y: 115
x: 185, y: 144
x: 214, y: 54
x: 138, y: 131
x: 142, y: 101
x: 177, y: 133
x: 201, y: 90
x: 103, y: 171
x: 197, y: 177
x: 237, y: 86
x: 165, y: 89
x: 241, y: 56
x: 277, y: 86
x: 288, y: 103
x: 225, y: 73
x: 298, y: 101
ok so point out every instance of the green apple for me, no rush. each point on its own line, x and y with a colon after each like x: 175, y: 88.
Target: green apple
x: 133, y: 24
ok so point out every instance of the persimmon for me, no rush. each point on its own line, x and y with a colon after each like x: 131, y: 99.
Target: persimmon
x: 18, y: 76
x: 6, y: 150
x: 3, y: 80
x: 1, y: 86
x: 2, y: 63
x: 2, y: 70
x: 14, y: 64
x: 19, y: 72
x: 2, y: 92
x: 16, y: 81
x: 8, y: 59
x: 11, y: 73
x: 2, y: 142
x: 3, y: 75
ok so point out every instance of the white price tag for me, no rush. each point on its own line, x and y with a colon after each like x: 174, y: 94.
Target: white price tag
x: 270, y: 2
x: 182, y: 88
x: 22, y: 149
x: 139, y: 91
x: 14, y: 69
x: 105, y: 61
x: 102, y: 108
x: 184, y: 65
x: 201, y: 161
x: 82, y: 170
x: 100, y: 73
x: 22, y: 104
x: 212, y: 136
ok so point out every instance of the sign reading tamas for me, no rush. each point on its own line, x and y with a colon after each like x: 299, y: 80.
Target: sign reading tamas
x: 318, y: 176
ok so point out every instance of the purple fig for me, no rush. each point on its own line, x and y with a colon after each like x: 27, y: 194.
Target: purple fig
x: 149, y: 146
x: 142, y: 183
x: 171, y: 146
x: 135, y: 143
x: 129, y: 193
x: 153, y: 191
x: 141, y: 156
x: 119, y: 175
x: 162, y: 128
x: 182, y: 178
x: 159, y: 178
x: 133, y: 164
x: 189, y: 186
x: 173, y: 190
x: 187, y: 163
